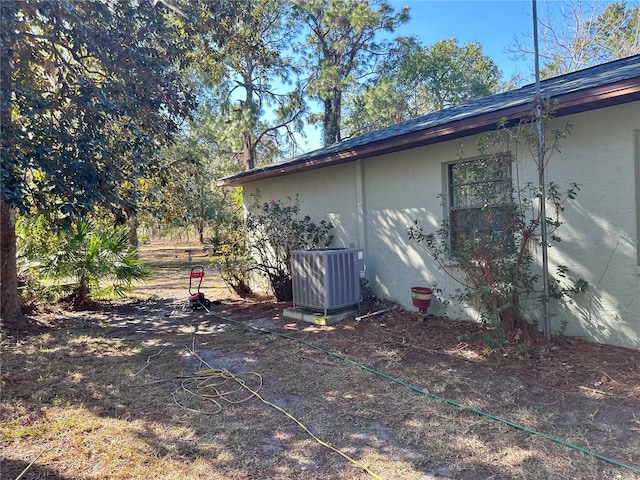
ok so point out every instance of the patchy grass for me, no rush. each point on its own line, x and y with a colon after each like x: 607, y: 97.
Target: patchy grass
x: 95, y: 395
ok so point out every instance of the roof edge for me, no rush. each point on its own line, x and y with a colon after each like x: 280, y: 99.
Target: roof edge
x: 593, y: 98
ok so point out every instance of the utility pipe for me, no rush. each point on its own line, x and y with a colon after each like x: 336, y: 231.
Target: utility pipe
x: 371, y: 314
x: 546, y: 325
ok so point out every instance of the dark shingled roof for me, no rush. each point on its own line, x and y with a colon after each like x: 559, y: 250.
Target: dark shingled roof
x: 596, y: 87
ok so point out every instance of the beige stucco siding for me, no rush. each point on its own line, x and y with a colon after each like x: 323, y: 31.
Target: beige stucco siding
x: 372, y: 201
x: 600, y: 231
x: 400, y: 188
x: 325, y: 194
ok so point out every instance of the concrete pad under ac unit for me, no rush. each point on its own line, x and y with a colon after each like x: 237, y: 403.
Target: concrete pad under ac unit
x: 318, y: 318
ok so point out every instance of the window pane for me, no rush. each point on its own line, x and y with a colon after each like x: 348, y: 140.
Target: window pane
x: 480, y: 195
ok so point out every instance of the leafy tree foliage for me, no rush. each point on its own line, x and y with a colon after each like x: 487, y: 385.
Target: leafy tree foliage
x: 414, y: 80
x: 256, y: 78
x: 90, y: 92
x: 90, y: 98
x: 233, y: 256
x: 183, y: 190
x: 262, y: 241
x: 617, y: 30
x: 341, y: 49
x: 87, y: 261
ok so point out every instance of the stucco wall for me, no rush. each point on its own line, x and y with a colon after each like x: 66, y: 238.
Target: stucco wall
x: 600, y: 234
x: 325, y: 194
x: 372, y: 202
x: 401, y: 188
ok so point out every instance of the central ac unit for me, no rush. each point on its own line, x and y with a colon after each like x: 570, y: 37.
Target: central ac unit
x: 327, y: 279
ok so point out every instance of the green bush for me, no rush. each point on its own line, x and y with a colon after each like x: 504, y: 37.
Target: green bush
x: 232, y: 258
x: 275, y: 230
x: 488, y: 249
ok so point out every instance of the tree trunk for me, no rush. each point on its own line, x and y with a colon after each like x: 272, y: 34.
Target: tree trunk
x: 132, y: 225
x: 332, y: 118
x: 199, y: 224
x: 248, y: 148
x: 248, y: 151
x: 10, y: 306
x: 282, y: 287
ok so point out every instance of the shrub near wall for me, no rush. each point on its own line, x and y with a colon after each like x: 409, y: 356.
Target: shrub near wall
x: 487, y: 244
x: 276, y: 228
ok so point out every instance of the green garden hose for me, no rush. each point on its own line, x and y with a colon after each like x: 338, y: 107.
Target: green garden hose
x: 437, y: 397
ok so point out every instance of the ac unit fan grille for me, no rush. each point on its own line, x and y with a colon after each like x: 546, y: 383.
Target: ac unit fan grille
x: 326, y: 279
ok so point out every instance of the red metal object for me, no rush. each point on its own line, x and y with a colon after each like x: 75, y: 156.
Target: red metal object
x: 197, y: 298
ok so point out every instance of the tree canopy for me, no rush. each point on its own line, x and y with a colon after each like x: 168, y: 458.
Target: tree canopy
x: 341, y: 49
x: 257, y: 78
x: 90, y: 92
x: 94, y: 89
x: 576, y: 34
x: 415, y: 79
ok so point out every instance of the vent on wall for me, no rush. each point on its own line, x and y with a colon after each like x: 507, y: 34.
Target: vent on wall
x: 326, y: 279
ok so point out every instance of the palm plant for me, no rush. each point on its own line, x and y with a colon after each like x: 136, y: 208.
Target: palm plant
x: 92, y: 262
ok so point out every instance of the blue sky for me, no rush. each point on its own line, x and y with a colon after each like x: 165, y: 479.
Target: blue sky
x: 493, y: 24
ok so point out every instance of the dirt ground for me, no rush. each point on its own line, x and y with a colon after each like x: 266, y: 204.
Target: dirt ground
x: 392, y: 396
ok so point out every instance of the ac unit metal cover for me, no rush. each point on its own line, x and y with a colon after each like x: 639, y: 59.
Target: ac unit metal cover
x: 326, y: 279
